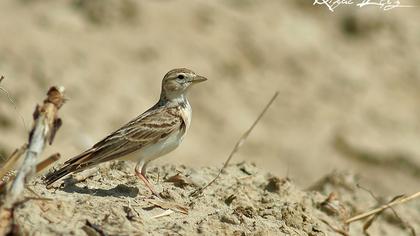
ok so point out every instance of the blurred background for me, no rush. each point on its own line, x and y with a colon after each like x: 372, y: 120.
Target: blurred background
x: 349, y: 80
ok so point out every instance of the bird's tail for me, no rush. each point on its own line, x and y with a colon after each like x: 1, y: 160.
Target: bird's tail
x: 72, y: 165
x: 58, y: 174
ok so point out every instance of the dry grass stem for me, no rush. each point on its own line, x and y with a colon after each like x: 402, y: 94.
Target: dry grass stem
x: 10, y: 175
x: 383, y: 207
x: 47, y: 162
x: 12, y: 101
x: 238, y: 145
x: 368, y: 223
x: 7, y: 173
x: 165, y: 213
x: 168, y: 205
x: 11, y: 161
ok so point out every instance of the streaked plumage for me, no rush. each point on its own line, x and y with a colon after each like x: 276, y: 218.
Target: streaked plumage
x: 154, y: 133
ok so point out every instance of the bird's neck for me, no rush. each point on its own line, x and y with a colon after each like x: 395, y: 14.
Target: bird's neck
x: 176, y: 100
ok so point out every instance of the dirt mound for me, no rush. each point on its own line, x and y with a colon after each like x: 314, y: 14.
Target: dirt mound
x: 353, y: 73
x: 244, y: 201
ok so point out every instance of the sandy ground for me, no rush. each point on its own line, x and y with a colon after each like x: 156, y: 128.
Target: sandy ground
x: 244, y: 201
x: 353, y: 73
x: 349, y: 85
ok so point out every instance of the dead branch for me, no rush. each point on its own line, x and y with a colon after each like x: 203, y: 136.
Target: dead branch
x: 11, y: 161
x: 47, y: 162
x: 238, y: 145
x: 7, y: 172
x: 46, y: 124
x: 39, y: 167
x: 383, y: 207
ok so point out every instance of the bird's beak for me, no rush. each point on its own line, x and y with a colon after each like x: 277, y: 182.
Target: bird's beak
x: 198, y: 79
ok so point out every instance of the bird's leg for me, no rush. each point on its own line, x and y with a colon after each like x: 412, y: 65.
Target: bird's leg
x: 141, y: 173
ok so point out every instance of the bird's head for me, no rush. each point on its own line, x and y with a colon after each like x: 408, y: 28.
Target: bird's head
x: 177, y: 81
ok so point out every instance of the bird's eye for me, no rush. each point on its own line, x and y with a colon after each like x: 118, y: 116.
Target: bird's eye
x: 180, y: 77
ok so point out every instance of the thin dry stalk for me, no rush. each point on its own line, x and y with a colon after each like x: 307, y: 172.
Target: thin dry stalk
x: 383, y: 207
x: 368, y: 223
x: 238, y: 145
x: 165, y: 213
x: 12, y: 101
x: 168, y: 205
x: 47, y: 162
x: 46, y: 124
x: 6, y: 172
x: 11, y: 161
x: 39, y: 167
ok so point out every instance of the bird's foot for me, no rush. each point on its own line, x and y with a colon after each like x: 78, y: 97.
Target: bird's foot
x: 148, y: 184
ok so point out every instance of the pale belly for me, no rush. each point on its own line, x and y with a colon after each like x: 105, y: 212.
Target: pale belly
x: 158, y: 149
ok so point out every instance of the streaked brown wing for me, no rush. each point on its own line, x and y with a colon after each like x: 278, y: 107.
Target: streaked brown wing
x: 145, y: 130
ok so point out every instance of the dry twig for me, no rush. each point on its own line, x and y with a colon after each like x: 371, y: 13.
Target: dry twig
x: 369, y: 222
x: 46, y: 124
x: 47, y: 162
x: 179, y: 180
x: 238, y: 145
x: 165, y: 213
x: 11, y: 161
x: 396, y: 201
x: 39, y: 167
x: 168, y: 205
x: 6, y: 172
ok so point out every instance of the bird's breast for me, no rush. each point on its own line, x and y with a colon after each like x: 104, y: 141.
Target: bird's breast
x: 158, y: 149
x: 186, y: 113
x: 167, y: 144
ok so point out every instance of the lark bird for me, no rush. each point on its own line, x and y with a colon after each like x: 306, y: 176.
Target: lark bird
x: 152, y: 134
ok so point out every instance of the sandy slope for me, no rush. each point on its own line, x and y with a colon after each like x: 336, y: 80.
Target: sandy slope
x: 245, y: 201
